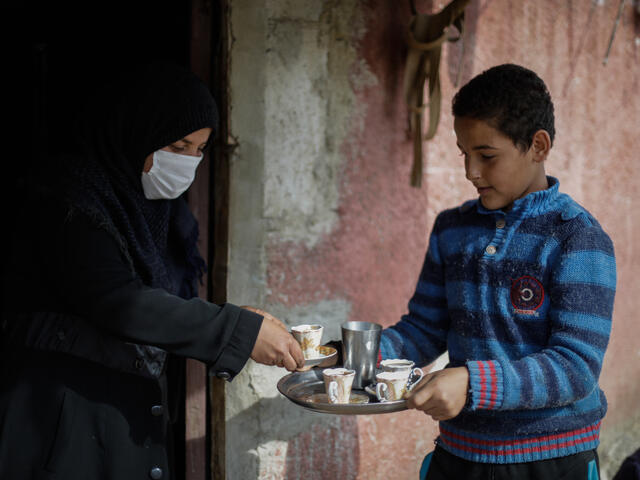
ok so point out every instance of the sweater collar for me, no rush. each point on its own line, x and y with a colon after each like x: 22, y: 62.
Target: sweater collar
x: 533, y: 204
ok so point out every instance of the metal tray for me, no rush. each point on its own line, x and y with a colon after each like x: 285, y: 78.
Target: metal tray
x: 307, y: 390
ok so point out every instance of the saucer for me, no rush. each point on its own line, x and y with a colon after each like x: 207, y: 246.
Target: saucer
x: 324, y: 352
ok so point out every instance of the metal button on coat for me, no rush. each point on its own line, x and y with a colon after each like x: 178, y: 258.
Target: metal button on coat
x: 156, y: 473
x: 224, y: 375
x: 500, y: 223
x: 157, y: 410
x: 491, y: 250
x: 139, y: 363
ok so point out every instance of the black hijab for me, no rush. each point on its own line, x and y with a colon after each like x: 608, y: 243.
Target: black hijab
x: 137, y: 114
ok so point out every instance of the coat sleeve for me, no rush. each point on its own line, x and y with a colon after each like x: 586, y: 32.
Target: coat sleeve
x: 582, y: 289
x: 421, y: 334
x: 95, y: 282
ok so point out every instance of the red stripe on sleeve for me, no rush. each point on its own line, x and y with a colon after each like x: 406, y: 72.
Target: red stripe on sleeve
x: 483, y: 384
x: 494, y: 385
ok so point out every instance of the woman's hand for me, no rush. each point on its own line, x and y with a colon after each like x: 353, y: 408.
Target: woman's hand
x: 441, y: 394
x: 275, y: 345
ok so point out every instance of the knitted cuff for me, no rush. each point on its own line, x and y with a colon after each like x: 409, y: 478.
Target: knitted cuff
x: 486, y: 385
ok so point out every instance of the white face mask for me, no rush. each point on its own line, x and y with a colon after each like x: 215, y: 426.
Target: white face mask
x: 170, y: 175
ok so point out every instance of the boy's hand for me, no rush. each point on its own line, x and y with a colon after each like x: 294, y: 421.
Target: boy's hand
x: 275, y: 345
x: 441, y: 394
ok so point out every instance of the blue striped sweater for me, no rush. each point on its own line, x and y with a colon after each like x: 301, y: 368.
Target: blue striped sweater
x: 524, y: 299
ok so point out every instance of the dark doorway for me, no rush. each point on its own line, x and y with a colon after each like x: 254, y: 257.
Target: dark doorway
x: 54, y: 54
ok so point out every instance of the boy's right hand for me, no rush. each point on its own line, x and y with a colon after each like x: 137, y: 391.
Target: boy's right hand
x: 275, y: 345
x: 441, y: 394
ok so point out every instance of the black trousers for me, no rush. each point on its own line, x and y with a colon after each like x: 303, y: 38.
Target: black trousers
x: 446, y: 466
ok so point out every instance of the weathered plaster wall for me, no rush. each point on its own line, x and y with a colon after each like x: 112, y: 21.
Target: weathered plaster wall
x: 325, y: 228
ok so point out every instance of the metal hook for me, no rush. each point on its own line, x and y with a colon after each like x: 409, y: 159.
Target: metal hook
x: 613, y: 33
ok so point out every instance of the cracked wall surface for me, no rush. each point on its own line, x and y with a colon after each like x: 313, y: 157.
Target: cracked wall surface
x: 324, y: 227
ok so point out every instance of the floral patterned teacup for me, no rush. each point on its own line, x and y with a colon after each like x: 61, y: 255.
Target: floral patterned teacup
x: 337, y: 383
x: 393, y: 386
x: 308, y: 336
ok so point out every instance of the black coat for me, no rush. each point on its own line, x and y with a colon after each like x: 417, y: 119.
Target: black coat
x: 82, y: 395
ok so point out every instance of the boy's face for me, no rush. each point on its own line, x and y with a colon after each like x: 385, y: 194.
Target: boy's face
x: 497, y: 168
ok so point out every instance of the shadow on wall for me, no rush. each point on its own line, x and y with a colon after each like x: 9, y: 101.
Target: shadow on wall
x: 460, y: 70
x: 319, y: 446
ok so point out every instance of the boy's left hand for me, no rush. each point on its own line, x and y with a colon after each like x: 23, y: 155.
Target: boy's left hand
x: 441, y: 394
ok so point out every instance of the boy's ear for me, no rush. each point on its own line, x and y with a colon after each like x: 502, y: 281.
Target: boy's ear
x: 541, y: 145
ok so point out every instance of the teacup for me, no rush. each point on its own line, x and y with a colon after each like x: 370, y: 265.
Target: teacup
x: 392, y: 386
x: 396, y: 365
x: 337, y: 383
x: 308, y: 336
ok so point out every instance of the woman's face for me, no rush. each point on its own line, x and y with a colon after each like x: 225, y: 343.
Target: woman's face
x: 192, y: 144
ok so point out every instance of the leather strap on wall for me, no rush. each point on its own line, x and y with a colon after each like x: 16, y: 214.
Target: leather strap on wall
x: 425, y: 36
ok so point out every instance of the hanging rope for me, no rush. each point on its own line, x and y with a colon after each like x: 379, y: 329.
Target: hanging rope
x: 425, y: 37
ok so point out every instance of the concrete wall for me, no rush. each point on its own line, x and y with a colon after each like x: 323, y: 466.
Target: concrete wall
x: 325, y: 228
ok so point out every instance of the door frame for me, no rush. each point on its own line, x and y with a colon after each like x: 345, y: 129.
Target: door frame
x: 209, y: 199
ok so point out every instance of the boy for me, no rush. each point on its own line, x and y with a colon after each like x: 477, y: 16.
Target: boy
x: 518, y: 286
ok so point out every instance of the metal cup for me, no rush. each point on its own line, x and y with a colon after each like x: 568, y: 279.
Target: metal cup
x: 360, y: 345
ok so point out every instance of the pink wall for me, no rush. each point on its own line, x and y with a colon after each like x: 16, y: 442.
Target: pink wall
x: 373, y: 256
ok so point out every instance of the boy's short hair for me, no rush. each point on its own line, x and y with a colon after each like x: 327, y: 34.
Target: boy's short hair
x: 512, y: 99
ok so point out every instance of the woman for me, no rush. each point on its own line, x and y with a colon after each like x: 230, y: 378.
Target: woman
x: 100, y: 300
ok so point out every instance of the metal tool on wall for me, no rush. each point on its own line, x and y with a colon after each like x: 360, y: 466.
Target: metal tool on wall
x: 613, y: 32
x: 425, y: 36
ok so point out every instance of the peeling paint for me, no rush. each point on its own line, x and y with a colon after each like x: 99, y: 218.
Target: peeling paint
x: 295, y: 158
x: 310, y: 107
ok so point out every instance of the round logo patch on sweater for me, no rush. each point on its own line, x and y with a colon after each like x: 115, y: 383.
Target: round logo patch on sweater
x: 527, y: 295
